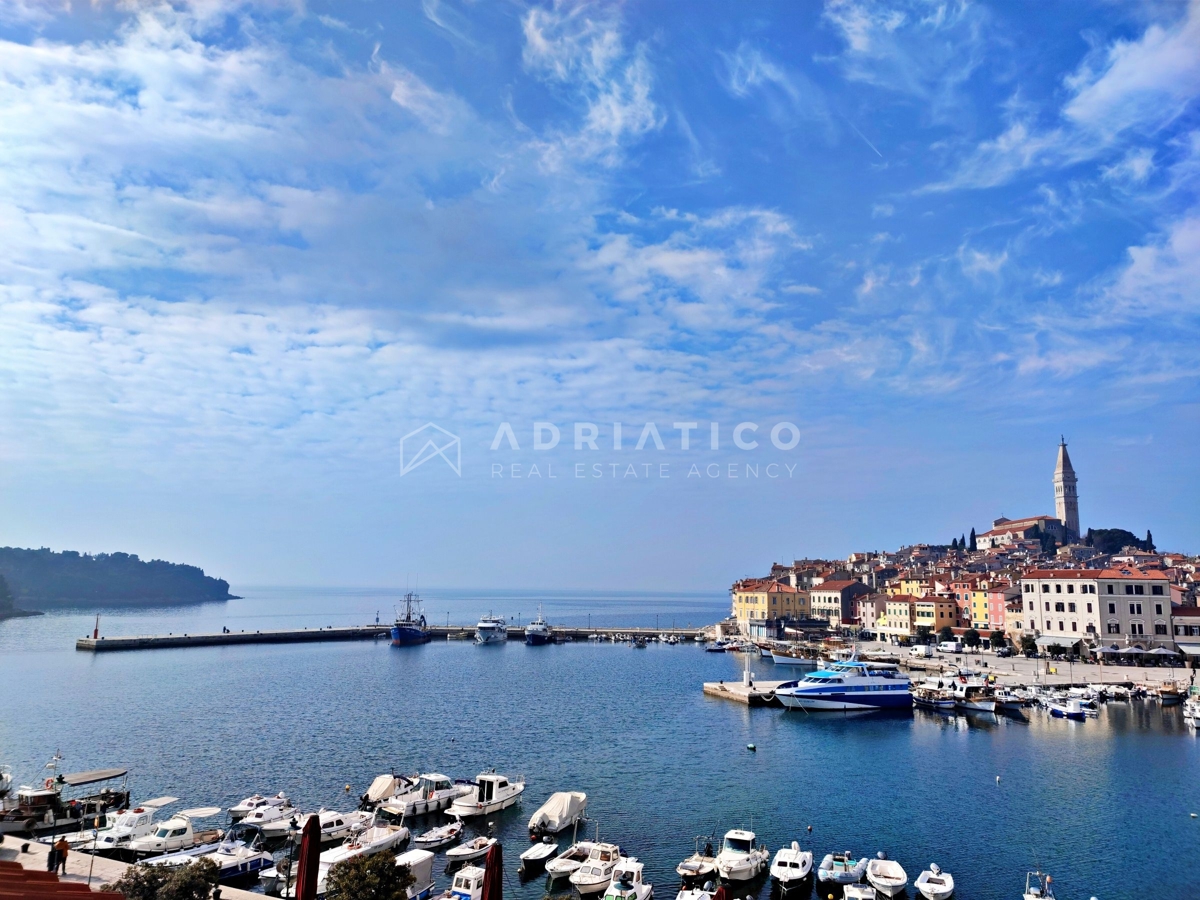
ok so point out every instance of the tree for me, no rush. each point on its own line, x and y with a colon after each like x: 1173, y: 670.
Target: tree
x: 193, y: 881
x: 972, y: 546
x: 1149, y: 547
x: 971, y: 638
x: 946, y: 634
x: 923, y: 633
x: 954, y: 543
x: 374, y: 877
x: 997, y: 639
x: 1028, y: 644
x: 962, y: 542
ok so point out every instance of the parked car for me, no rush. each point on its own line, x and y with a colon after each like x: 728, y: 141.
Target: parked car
x: 1004, y: 652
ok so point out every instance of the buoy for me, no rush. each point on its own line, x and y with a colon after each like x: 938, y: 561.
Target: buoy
x: 752, y: 748
x: 810, y: 829
x: 997, y: 779
x: 1193, y: 815
x: 347, y: 789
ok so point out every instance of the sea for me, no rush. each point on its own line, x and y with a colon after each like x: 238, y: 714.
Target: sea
x: 1107, y: 806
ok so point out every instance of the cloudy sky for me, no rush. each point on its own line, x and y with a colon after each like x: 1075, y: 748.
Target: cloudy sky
x: 247, y: 248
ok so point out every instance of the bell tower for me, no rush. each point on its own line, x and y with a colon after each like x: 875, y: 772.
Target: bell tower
x: 1066, y: 498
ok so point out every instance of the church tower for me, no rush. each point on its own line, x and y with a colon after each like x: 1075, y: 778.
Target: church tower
x: 1066, y: 500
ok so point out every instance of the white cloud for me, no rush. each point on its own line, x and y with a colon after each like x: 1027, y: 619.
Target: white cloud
x: 439, y: 112
x: 787, y: 92
x: 1162, y: 275
x: 1135, y: 168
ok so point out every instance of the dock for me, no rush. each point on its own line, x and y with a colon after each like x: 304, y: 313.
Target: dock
x: 759, y: 693
x: 342, y: 633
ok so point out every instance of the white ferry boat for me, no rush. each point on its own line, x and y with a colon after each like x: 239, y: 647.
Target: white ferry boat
x: 491, y: 630
x: 848, y: 685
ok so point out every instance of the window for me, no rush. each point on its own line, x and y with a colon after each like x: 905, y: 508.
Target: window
x: 1135, y: 609
x: 1060, y: 625
x: 1129, y: 588
x: 1139, y: 589
x: 1058, y: 607
x: 1089, y: 606
x: 1074, y: 626
x: 1029, y: 588
x: 1071, y: 607
x: 1045, y: 588
x: 1114, y: 627
x: 1110, y: 589
x: 1112, y: 609
x: 1136, y: 628
x: 1047, y: 624
x: 1156, y: 590
x: 1047, y: 606
x: 1029, y: 604
x: 1160, y: 628
x: 1070, y: 588
x: 1158, y: 609
x: 1058, y: 589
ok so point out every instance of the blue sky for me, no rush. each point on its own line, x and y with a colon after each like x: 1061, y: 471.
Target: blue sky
x: 248, y: 247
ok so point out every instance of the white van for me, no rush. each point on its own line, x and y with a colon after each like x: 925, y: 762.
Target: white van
x: 923, y: 651
x: 951, y: 646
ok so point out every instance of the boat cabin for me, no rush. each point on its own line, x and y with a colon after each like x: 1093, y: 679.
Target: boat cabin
x: 468, y: 884
x: 739, y: 842
x: 432, y: 783
x: 391, y: 814
x: 490, y: 788
x: 604, y: 853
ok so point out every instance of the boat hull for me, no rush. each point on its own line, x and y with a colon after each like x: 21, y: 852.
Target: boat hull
x: 536, y: 639
x: 410, y: 635
x: 845, y: 702
x: 799, y: 661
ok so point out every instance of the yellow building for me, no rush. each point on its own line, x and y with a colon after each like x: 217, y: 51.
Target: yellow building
x: 935, y: 613
x: 897, y: 624
x: 763, y: 599
x: 909, y: 587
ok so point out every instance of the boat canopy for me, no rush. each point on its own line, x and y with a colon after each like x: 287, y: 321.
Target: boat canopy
x: 560, y: 811
x: 382, y: 787
x: 78, y: 779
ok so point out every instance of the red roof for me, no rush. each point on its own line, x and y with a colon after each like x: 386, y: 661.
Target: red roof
x: 836, y: 585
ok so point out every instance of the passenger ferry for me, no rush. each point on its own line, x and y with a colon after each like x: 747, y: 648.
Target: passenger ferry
x: 410, y: 628
x: 848, y: 685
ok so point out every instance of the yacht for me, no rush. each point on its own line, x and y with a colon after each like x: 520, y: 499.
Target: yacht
x: 491, y: 793
x: 539, y: 632
x: 491, y: 630
x: 627, y: 883
x: 841, y: 868
x: 791, y: 867
x: 848, y: 685
x: 238, y: 855
x: 596, y: 872
x: 129, y: 825
x: 467, y: 884
x: 886, y: 875
x: 934, y: 884
x: 570, y: 859
x: 741, y: 858
x: 410, y: 628
x: 432, y: 792
x: 257, y: 801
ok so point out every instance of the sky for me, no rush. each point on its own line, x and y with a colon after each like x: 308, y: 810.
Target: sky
x: 253, y: 253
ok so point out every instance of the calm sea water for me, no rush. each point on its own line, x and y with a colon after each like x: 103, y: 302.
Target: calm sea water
x: 1103, y: 805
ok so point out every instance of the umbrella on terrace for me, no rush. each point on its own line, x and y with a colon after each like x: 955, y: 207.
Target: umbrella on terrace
x: 307, y: 869
x: 493, y: 874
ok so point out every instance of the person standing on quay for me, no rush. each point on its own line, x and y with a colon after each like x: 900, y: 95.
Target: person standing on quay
x: 62, y: 848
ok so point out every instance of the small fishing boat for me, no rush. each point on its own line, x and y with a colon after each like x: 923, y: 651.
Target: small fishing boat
x: 130, y: 824
x: 442, y: 836
x: 491, y: 630
x: 467, y: 884
x: 1170, y: 694
x: 596, y: 872
x: 239, y: 855
x: 177, y: 834
x: 1038, y: 886
x: 1067, y: 709
x: 741, y: 858
x: 627, y: 883
x: 491, y: 793
x: 841, y: 868
x: 716, y: 647
x: 791, y: 867
x: 538, y: 632
x: 431, y: 792
x: 934, y: 884
x: 268, y: 814
x: 410, y: 627
x: 254, y: 802
x: 1009, y: 701
x: 639, y: 643
x: 570, y: 859
x: 560, y: 812
x: 886, y: 875
x: 700, y: 866
x: 334, y: 825
x: 474, y: 849
x: 927, y: 697
x: 535, y: 858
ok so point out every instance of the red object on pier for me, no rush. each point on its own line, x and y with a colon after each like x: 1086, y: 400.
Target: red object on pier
x: 310, y: 856
x: 493, y: 874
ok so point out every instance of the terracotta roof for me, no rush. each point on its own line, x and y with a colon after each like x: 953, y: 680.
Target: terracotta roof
x: 836, y: 585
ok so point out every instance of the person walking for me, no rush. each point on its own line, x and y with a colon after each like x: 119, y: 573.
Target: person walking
x: 63, y: 849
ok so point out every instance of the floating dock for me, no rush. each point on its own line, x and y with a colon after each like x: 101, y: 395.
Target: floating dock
x: 758, y: 693
x: 344, y: 633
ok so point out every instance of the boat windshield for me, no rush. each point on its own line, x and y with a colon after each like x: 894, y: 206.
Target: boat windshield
x: 738, y: 845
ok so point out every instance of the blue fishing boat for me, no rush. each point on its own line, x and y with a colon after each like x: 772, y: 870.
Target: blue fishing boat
x: 848, y: 685
x: 410, y: 627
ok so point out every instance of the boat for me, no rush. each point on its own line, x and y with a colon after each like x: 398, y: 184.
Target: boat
x: 848, y: 685
x: 431, y: 792
x: 1038, y: 886
x: 334, y: 825
x: 704, y: 892
x: 792, y: 658
x: 5, y: 781
x: 716, y: 647
x: 934, y: 884
x: 474, y: 849
x: 492, y: 793
x: 858, y: 892
x: 639, y: 643
x: 467, y: 884
x: 1191, y: 708
x: 1008, y: 700
x: 491, y: 630
x: 176, y: 834
x: 420, y: 866
x: 1170, y: 694
x: 37, y: 809
x: 238, y: 855
x: 570, y: 859
x: 442, y: 836
x: 627, y: 882
x: 1067, y: 709
x: 535, y: 858
x: 929, y: 697
x: 701, y: 866
x: 410, y: 628
x: 538, y: 632
x: 886, y: 875
x: 255, y: 802
x: 841, y: 868
x: 560, y: 812
x: 791, y: 867
x: 375, y: 838
x: 129, y: 824
x: 972, y: 694
x: 266, y: 815
x: 595, y: 874
x: 741, y: 858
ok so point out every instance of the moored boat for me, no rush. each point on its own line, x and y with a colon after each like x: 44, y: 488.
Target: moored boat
x: 471, y: 850
x: 538, y: 632
x: 129, y: 824
x: 929, y: 697
x: 1038, y: 886
x: 841, y: 868
x: 491, y: 793
x: 255, y: 802
x: 238, y: 856
x: 410, y: 627
x: 1067, y: 709
x: 560, y: 812
x: 570, y: 859
x: 467, y: 884
x: 793, y: 658
x: 420, y: 866
x: 627, y: 882
x: 791, y: 867
x: 430, y: 792
x: 741, y: 858
x: 595, y: 874
x: 934, y: 884
x: 176, y: 834
x: 701, y: 866
x: 36, y: 809
x: 442, y: 836
x: 848, y: 685
x: 534, y: 859
x: 491, y: 630
x: 886, y: 875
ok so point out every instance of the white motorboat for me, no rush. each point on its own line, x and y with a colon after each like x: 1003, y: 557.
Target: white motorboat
x: 596, y: 872
x: 430, y: 792
x: 491, y: 630
x: 934, y: 884
x: 701, y: 866
x: 476, y: 848
x: 886, y: 875
x: 841, y: 868
x: 858, y: 892
x: 741, y: 858
x: 791, y: 867
x: 176, y: 834
x: 420, y: 865
x: 535, y: 858
x: 385, y: 787
x: 570, y: 859
x: 268, y: 814
x: 1038, y: 886
x: 334, y: 825
x: 560, y: 812
x: 848, y: 685
x: 257, y: 801
x: 5, y: 781
x: 442, y: 836
x: 237, y: 856
x: 1067, y: 709
x: 491, y: 793
x: 973, y: 694
x: 627, y: 883
x: 128, y: 825
x: 467, y: 884
x: 375, y: 838
x: 1191, y: 708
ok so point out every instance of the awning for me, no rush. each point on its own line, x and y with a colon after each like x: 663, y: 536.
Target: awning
x: 1188, y: 649
x: 1061, y: 640
x: 1162, y: 651
x: 77, y: 779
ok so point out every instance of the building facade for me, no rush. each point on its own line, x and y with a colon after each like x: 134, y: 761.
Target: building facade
x: 833, y: 601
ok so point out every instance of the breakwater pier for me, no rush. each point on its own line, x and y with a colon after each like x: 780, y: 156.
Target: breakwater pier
x: 347, y: 633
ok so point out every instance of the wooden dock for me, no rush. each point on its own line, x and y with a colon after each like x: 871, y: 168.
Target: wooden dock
x: 344, y: 633
x: 760, y: 693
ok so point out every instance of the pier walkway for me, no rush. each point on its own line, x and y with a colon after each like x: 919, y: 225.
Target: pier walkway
x: 343, y: 633
x: 758, y: 693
